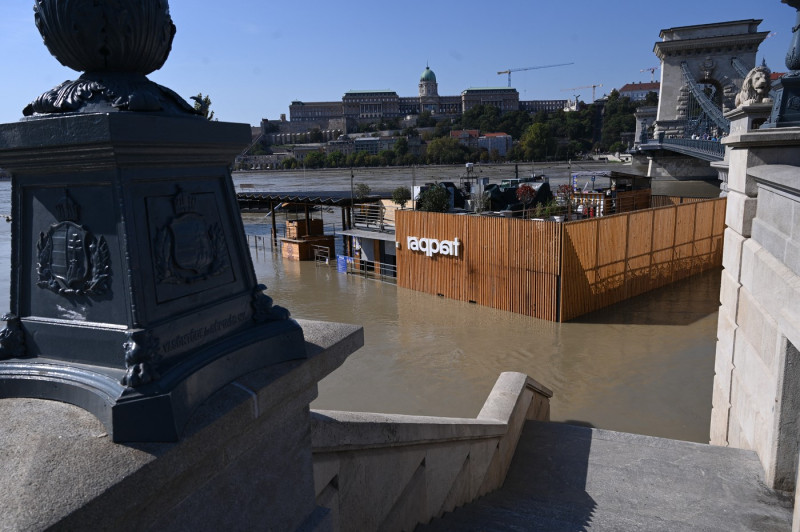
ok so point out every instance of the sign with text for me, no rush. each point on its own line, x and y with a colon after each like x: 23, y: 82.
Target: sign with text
x: 432, y: 246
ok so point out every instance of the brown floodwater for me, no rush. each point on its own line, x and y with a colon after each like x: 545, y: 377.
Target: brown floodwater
x: 643, y: 366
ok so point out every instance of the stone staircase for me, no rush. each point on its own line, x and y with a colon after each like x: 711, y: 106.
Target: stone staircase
x: 570, y: 478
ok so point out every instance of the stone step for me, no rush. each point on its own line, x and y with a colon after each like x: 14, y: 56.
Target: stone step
x: 565, y: 477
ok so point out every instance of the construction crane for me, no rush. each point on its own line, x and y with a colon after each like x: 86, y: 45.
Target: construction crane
x: 593, y: 87
x: 652, y: 71
x: 510, y: 70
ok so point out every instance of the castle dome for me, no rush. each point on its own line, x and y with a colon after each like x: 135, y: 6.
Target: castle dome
x: 428, y: 75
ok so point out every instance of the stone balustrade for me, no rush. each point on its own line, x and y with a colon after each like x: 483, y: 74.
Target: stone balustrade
x: 392, y: 472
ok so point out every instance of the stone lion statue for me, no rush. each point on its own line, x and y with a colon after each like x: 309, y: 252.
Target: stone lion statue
x: 755, y: 88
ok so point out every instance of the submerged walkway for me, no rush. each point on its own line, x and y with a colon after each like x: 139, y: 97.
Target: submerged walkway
x: 569, y: 478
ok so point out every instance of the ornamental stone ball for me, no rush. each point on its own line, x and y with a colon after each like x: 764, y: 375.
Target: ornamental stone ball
x: 106, y: 36
x: 116, y: 43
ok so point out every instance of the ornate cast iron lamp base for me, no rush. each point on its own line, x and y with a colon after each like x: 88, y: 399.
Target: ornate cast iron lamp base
x: 786, y: 93
x: 133, y: 293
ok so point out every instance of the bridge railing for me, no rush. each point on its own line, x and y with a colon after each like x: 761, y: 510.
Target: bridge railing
x: 375, y: 216
x: 711, y: 149
x: 710, y: 146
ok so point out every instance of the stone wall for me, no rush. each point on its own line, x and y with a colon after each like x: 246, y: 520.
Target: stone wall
x: 392, y: 472
x: 756, y: 399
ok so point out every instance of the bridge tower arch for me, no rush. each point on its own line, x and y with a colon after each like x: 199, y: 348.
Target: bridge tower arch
x: 702, y: 69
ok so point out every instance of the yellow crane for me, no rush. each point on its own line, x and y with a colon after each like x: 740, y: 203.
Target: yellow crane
x: 593, y: 87
x: 510, y: 70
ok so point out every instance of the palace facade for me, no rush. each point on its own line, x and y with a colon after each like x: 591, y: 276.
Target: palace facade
x: 374, y: 105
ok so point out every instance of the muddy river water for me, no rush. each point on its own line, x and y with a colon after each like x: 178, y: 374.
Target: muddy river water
x: 643, y: 366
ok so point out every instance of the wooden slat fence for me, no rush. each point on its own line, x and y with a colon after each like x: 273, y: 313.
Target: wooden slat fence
x: 665, y: 201
x: 556, y: 271
x: 504, y: 263
x: 610, y: 259
x: 634, y: 200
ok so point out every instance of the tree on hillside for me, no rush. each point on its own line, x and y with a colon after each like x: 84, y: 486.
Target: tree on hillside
x: 315, y: 135
x: 443, y: 128
x: 401, y: 146
x: 335, y: 159
x: 315, y: 159
x: 425, y: 119
x: 537, y: 142
x: 514, y: 123
x: 445, y: 150
x: 359, y: 158
x: 258, y: 149
x: 482, y: 117
x: 650, y: 100
x: 618, y: 118
x: 385, y: 158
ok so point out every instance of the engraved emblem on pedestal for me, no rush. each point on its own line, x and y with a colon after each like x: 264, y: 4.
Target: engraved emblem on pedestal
x: 188, y: 248
x: 71, y: 260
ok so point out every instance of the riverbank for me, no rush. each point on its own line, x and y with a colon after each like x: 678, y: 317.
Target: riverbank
x: 384, y: 180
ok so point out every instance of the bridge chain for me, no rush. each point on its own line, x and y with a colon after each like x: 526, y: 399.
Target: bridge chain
x: 708, y: 107
x: 739, y: 67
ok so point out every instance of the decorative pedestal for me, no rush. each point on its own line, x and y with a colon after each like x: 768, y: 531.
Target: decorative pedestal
x: 786, y: 109
x: 743, y: 119
x: 133, y: 293
x: 786, y: 93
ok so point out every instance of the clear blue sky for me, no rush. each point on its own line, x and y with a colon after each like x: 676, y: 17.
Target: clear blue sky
x: 254, y: 57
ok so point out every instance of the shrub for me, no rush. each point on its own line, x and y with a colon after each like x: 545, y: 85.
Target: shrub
x: 434, y: 199
x: 401, y: 195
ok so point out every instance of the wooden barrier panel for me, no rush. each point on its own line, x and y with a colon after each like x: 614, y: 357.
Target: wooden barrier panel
x: 610, y: 259
x: 557, y: 271
x: 665, y: 201
x: 505, y: 263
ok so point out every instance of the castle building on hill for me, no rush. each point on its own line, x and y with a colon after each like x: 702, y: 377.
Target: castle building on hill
x: 364, y: 106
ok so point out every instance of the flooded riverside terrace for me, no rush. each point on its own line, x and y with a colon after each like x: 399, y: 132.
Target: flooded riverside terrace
x: 644, y: 366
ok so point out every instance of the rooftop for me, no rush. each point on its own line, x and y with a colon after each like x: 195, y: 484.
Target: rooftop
x: 648, y: 86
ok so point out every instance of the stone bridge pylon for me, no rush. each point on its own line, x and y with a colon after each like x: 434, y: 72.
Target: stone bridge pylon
x: 702, y: 69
